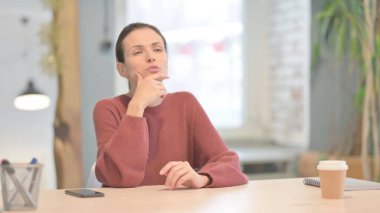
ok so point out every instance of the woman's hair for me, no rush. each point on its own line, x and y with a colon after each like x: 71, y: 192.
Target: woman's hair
x: 126, y: 31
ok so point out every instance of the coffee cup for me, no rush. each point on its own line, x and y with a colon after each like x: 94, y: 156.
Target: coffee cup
x: 332, y: 174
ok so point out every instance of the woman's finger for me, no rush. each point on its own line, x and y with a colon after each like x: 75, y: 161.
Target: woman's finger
x: 174, y: 175
x: 167, y: 167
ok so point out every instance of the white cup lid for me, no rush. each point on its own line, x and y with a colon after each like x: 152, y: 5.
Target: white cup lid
x: 332, y: 165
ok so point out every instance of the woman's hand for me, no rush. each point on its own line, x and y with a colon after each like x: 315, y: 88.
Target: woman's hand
x: 149, y: 92
x: 180, y: 173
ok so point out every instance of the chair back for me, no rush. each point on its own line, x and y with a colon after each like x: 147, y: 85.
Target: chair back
x: 92, y: 182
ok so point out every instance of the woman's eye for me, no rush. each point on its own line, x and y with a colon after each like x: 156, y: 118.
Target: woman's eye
x: 158, y: 50
x: 137, y: 52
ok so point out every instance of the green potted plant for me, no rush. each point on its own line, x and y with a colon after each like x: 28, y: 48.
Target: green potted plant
x: 350, y: 29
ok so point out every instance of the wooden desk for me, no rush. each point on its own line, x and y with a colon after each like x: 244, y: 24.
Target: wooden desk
x: 280, y: 195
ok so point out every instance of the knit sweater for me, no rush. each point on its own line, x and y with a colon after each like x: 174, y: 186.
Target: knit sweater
x: 132, y: 150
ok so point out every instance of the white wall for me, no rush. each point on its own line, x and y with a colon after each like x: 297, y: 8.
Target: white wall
x: 24, y: 134
x: 289, y: 61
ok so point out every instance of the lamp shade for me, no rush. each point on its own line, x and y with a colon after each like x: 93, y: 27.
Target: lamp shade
x: 31, y: 99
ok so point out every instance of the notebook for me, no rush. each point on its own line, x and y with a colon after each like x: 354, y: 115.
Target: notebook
x: 350, y: 184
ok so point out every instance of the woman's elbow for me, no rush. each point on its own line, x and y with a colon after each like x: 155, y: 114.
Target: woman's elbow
x: 119, y: 181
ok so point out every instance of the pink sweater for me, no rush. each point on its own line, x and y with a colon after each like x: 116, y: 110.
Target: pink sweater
x: 132, y: 150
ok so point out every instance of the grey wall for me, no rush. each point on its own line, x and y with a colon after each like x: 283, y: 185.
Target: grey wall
x: 97, y: 70
x: 333, y: 86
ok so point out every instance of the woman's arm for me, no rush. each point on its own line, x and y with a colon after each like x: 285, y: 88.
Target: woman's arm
x: 180, y: 173
x: 211, y: 155
x: 122, y: 145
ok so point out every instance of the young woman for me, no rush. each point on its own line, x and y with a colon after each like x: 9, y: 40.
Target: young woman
x: 148, y: 136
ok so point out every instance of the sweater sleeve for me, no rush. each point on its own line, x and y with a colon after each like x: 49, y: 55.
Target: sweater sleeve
x: 122, y: 146
x: 211, y: 155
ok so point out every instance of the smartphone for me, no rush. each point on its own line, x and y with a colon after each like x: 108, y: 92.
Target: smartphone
x: 84, y: 193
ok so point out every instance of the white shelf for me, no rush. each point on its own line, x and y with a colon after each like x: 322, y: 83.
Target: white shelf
x: 284, y: 157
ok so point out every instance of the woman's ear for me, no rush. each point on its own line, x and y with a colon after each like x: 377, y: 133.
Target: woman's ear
x: 122, y: 70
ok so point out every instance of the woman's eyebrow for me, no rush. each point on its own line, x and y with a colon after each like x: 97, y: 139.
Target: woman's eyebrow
x: 157, y: 43
x: 136, y: 46
x: 141, y: 46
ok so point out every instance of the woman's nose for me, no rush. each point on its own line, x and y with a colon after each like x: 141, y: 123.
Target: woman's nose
x: 151, y: 59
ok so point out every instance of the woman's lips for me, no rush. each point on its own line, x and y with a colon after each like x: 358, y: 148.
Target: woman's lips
x: 153, y: 69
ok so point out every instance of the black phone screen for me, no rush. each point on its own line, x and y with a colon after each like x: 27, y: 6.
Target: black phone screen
x: 84, y: 193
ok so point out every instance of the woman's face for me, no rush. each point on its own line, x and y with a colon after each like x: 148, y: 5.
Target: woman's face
x: 144, y: 53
